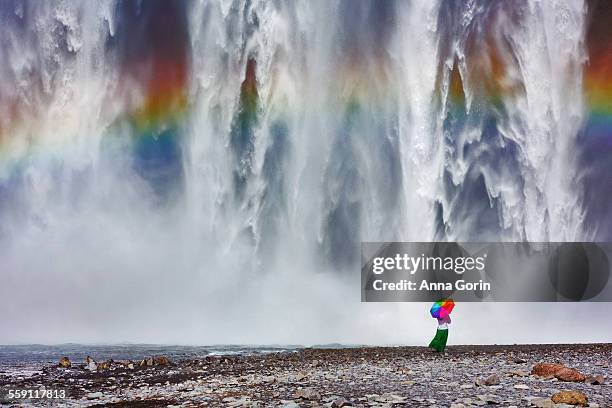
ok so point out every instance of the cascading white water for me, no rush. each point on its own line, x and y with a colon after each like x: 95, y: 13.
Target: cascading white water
x: 307, y: 128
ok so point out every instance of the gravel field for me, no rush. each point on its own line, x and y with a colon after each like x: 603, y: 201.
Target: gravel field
x: 464, y: 376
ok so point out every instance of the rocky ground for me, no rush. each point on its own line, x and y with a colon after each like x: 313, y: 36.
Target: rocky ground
x: 465, y: 376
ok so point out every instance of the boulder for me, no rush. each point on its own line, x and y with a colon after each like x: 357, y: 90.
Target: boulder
x: 558, y: 371
x: 570, y: 398
x: 64, y: 362
x: 546, y: 369
x: 570, y: 374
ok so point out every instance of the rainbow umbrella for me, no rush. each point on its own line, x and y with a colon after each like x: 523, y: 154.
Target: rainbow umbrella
x: 442, y: 308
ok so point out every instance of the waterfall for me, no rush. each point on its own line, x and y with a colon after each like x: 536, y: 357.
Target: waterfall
x: 223, y: 160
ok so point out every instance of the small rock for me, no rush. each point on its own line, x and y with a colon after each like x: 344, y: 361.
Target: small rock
x: 595, y: 379
x: 521, y: 387
x: 493, y: 379
x: 518, y: 373
x: 571, y: 398
x: 161, y: 360
x: 543, y: 403
x: 104, y: 365
x: 391, y: 398
x: 268, y: 379
x: 490, y: 399
x: 90, y: 364
x: 300, y: 376
x: 457, y: 405
x: 341, y: 402
x: 242, y: 402
x: 94, y: 395
x: 307, y: 394
x: 64, y: 362
x: 519, y: 360
x: 147, y: 362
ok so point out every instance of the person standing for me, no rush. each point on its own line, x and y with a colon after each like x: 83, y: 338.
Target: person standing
x: 439, y: 341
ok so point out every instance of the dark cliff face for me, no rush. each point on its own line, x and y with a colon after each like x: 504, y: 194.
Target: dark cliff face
x: 595, y: 141
x: 152, y: 48
x: 242, y: 136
